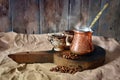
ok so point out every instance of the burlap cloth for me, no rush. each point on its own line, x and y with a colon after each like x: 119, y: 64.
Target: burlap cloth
x: 11, y: 43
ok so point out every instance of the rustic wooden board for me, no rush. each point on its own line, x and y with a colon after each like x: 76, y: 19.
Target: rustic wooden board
x: 24, y: 16
x: 91, y: 60
x: 4, y: 16
x: 33, y: 57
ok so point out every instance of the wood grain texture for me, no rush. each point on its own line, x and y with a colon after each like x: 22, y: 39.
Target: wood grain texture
x: 83, y: 11
x: 64, y: 22
x: 41, y: 18
x: 74, y: 12
x: 110, y: 20
x: 25, y: 13
x: 4, y: 16
x: 46, y: 16
x: 53, y: 16
x: 59, y: 9
x: 33, y: 57
x: 91, y: 60
x: 49, y: 10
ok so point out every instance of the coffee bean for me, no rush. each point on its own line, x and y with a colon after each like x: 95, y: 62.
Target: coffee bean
x: 70, y: 56
x: 64, y: 69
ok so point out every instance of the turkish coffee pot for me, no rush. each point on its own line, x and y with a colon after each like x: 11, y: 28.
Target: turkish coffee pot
x: 82, y: 41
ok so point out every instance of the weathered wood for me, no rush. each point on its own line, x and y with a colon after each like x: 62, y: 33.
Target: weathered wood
x: 110, y: 20
x: 25, y: 13
x: 53, y: 15
x: 59, y: 10
x: 49, y: 16
x: 91, y: 60
x: 33, y: 57
x: 43, y: 16
x: 74, y: 15
x: 80, y: 12
x: 63, y: 25
x: 94, y: 8
x: 103, y: 20
x: 4, y: 16
x: 85, y: 10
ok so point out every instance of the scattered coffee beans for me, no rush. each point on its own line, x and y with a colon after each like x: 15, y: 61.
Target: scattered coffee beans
x: 69, y: 55
x: 64, y: 69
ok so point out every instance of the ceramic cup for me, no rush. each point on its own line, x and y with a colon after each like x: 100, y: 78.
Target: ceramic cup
x: 58, y: 40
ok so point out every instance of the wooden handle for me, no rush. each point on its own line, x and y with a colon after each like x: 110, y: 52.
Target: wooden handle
x: 98, y: 15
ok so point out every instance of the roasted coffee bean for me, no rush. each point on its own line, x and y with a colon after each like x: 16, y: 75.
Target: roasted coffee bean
x: 70, y: 56
x: 64, y: 69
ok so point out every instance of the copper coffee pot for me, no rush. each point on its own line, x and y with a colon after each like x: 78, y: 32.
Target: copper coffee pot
x: 82, y: 41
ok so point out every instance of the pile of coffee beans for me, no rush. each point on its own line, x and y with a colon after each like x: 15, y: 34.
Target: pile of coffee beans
x: 69, y: 55
x: 64, y: 69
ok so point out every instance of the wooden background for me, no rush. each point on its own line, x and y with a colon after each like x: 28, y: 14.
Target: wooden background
x: 43, y: 16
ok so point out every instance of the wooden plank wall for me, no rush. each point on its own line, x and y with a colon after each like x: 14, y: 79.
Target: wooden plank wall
x: 4, y: 16
x: 25, y: 16
x: 46, y: 16
x: 109, y: 24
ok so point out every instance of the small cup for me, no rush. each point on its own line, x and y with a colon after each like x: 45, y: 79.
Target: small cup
x: 58, y: 40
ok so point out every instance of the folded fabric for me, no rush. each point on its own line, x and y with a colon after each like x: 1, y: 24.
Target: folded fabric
x: 11, y: 43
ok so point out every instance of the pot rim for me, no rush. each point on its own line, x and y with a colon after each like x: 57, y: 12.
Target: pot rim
x: 83, y: 30
x: 77, y: 31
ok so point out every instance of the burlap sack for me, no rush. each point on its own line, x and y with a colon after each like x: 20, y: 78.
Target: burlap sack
x: 11, y: 43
